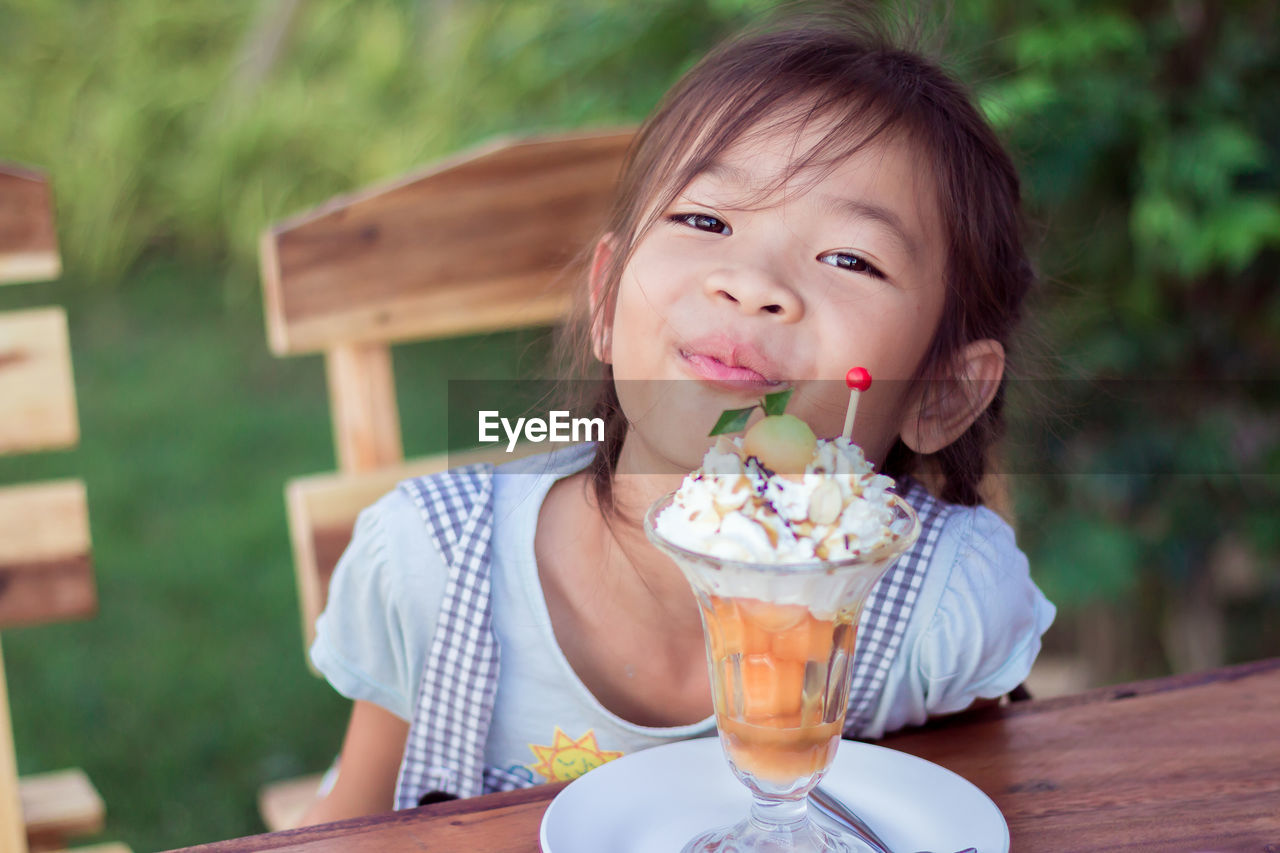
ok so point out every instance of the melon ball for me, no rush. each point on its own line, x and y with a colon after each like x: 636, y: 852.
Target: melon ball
x: 784, y: 443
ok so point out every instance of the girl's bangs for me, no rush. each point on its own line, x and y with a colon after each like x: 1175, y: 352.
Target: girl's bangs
x: 697, y: 137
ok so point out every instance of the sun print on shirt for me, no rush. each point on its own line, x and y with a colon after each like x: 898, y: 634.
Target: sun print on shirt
x: 566, y: 759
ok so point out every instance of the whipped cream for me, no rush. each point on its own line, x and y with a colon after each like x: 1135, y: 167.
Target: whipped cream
x: 734, y: 508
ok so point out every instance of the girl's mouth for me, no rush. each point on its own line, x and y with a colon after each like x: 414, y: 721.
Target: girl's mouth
x: 709, y: 368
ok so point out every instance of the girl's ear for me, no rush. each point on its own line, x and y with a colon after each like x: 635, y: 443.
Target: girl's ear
x: 934, y: 420
x: 601, y: 325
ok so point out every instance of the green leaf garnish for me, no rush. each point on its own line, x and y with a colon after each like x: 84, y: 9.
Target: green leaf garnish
x: 776, y: 403
x: 735, y: 420
x: 732, y: 420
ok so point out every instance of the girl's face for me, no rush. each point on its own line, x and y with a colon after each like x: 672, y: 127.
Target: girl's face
x: 743, y: 287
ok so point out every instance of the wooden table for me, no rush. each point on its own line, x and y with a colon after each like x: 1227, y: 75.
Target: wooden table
x: 1186, y: 763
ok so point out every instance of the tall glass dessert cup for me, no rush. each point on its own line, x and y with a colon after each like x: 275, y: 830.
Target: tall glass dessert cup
x: 780, y: 648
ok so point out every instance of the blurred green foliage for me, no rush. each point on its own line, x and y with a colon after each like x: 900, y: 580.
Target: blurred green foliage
x: 1150, y: 148
x: 1145, y: 456
x: 187, y: 129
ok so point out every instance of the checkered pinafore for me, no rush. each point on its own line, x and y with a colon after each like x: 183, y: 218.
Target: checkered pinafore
x: 444, y: 753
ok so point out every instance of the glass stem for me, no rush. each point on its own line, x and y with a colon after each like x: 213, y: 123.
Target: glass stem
x: 779, y: 815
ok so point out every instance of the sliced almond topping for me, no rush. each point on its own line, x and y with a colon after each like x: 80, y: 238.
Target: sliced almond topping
x: 728, y: 503
x: 825, y: 503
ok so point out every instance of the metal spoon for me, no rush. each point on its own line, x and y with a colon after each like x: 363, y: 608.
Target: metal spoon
x: 845, y: 816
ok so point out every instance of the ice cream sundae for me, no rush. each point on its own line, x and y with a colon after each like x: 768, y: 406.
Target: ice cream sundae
x: 782, y: 537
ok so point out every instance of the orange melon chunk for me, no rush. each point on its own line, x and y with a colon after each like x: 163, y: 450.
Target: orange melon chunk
x: 810, y: 640
x: 771, y: 688
x: 772, y: 618
x: 731, y: 633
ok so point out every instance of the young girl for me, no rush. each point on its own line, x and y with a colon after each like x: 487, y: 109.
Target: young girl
x: 803, y: 201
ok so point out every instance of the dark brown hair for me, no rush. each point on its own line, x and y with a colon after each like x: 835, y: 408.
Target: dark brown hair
x: 852, y: 77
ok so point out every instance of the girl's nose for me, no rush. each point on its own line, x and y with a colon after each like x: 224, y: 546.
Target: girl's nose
x: 755, y: 292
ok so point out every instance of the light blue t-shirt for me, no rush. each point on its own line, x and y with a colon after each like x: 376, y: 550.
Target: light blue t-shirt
x: 974, y: 632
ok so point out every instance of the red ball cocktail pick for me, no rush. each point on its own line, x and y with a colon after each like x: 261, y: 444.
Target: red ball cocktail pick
x: 858, y: 379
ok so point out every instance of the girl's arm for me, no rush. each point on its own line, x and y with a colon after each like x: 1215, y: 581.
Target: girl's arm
x: 367, y: 768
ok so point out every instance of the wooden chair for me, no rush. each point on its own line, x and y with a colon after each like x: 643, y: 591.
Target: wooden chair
x: 46, y: 574
x: 477, y: 243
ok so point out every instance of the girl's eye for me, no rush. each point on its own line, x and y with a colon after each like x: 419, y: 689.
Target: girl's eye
x: 702, y: 222
x: 847, y: 261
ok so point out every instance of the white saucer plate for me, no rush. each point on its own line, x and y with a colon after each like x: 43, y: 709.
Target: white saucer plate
x: 655, y: 800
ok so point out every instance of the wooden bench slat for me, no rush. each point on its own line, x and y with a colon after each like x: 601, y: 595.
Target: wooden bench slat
x: 478, y: 243
x: 511, y: 302
x: 28, y: 239
x: 12, y: 835
x: 362, y: 406
x: 59, y: 805
x: 37, y: 391
x: 46, y: 571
